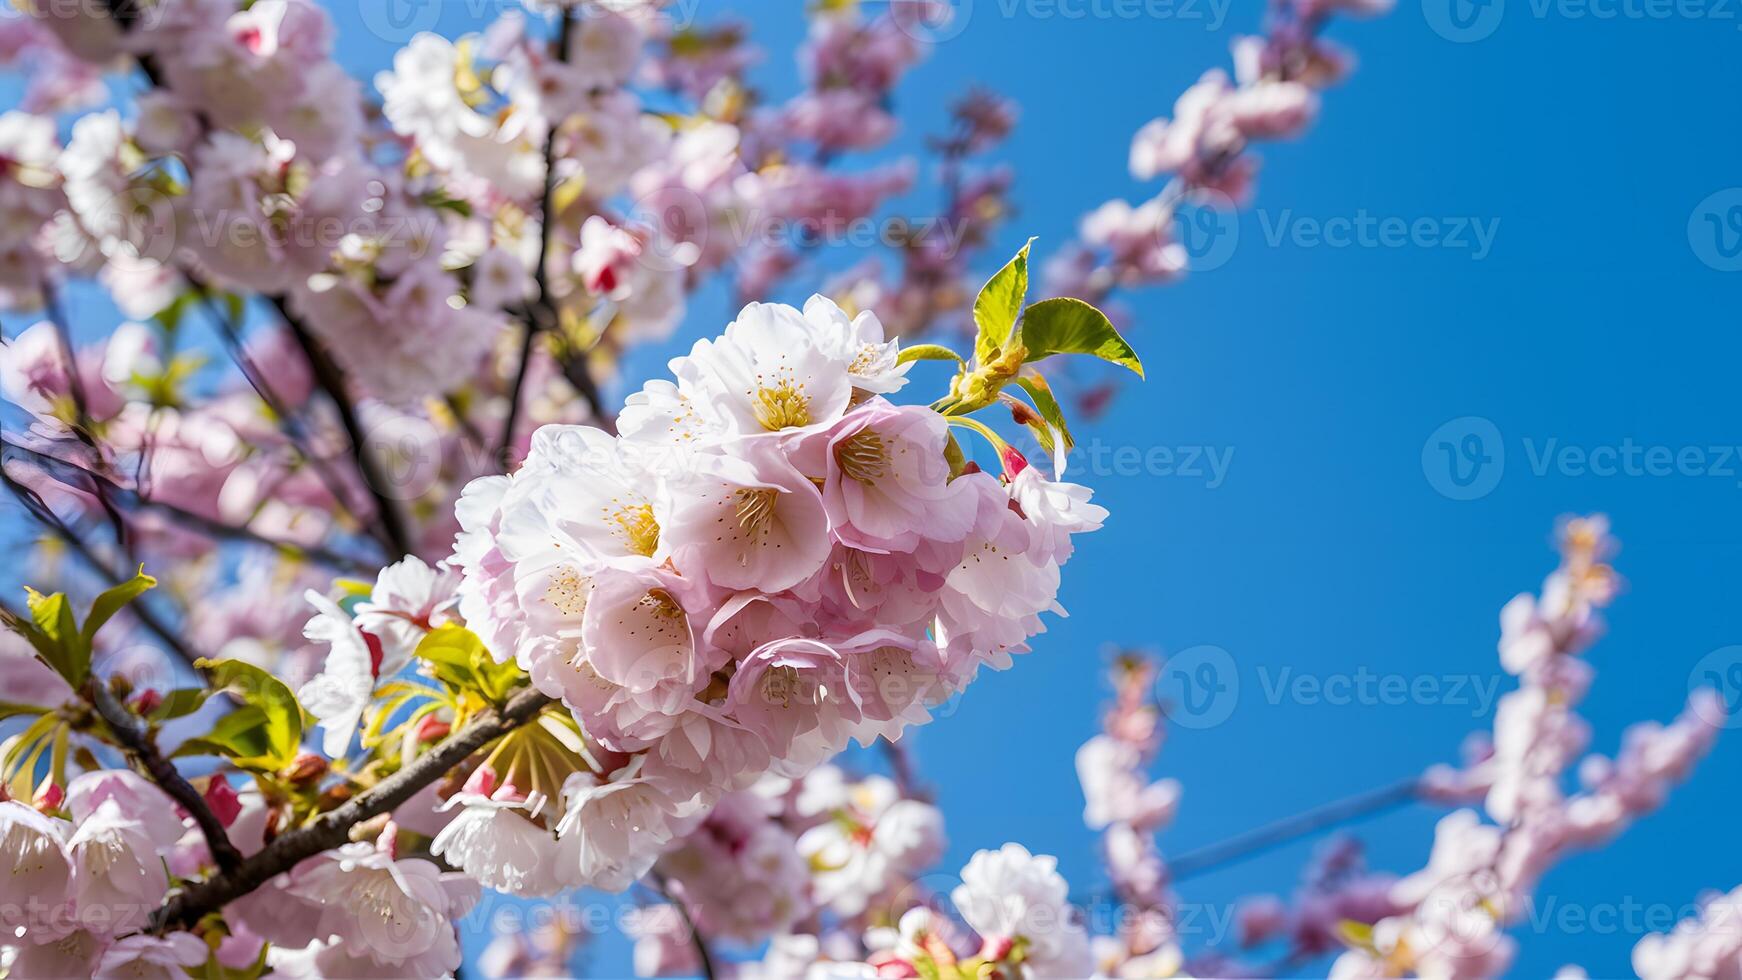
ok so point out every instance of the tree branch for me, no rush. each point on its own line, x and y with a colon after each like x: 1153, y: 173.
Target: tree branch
x: 49, y: 519
x: 1280, y: 832
x: 332, y: 381
x: 332, y: 829
x: 206, y: 525
x: 704, y: 955
x: 143, y: 753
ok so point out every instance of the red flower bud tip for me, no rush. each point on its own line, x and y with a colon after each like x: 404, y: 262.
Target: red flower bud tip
x: 49, y: 796
x: 996, y: 948
x: 891, y: 967
x: 146, y: 701
x: 970, y: 467
x: 432, y: 729
x: 376, y: 653
x: 222, y: 800
x: 482, y: 781
x: 1013, y: 460
x: 1023, y: 415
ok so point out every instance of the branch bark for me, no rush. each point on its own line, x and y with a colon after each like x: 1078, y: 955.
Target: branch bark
x: 142, y: 752
x: 333, y: 829
x: 206, y: 525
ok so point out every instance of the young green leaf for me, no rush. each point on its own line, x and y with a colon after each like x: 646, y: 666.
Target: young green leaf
x: 927, y: 352
x: 56, y: 636
x: 998, y: 304
x: 1071, y: 326
x: 1047, y: 405
x: 113, y: 601
x: 279, y: 714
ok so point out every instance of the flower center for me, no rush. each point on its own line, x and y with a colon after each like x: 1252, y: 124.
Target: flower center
x: 755, y: 507
x: 567, y: 592
x: 640, y: 532
x: 783, y: 406
x: 661, y: 604
x: 862, y: 457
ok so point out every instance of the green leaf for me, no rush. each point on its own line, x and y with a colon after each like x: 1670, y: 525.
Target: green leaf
x: 244, y: 736
x: 1071, y: 326
x: 113, y: 601
x: 460, y: 660
x: 1047, y: 405
x: 998, y: 304
x: 12, y: 709
x: 56, y: 636
x: 927, y: 352
x: 180, y: 702
x: 267, y: 703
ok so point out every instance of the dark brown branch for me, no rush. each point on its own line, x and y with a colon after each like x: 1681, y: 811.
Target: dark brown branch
x: 704, y: 955
x: 1279, y: 832
x: 49, y: 519
x: 142, y: 752
x: 205, y: 525
x: 333, y: 829
x: 541, y: 313
x: 332, y: 381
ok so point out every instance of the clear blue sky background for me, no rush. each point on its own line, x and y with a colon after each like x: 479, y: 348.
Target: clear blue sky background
x: 1588, y: 144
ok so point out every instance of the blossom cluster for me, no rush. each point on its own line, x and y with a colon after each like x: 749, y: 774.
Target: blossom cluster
x: 771, y: 560
x: 1451, y: 916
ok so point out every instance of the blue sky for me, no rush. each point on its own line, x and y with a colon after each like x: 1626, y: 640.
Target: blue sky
x: 1573, y: 168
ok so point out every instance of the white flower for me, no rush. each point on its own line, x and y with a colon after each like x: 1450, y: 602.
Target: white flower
x: 872, y: 839
x: 33, y: 849
x: 858, y: 343
x: 613, y: 830
x: 152, y: 957
x: 116, y: 867
x: 338, y: 695
x: 409, y: 599
x: 390, y: 912
x: 769, y: 372
x: 496, y: 842
x: 1012, y: 894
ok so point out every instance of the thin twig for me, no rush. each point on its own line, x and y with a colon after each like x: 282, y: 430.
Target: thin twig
x: 231, y: 333
x: 143, y: 753
x: 541, y: 314
x: 81, y: 401
x: 332, y: 381
x: 704, y: 955
x: 1280, y: 832
x: 333, y: 829
x: 206, y: 525
x: 41, y: 511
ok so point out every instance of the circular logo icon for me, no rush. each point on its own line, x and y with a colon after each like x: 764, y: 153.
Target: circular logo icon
x: 1464, y: 458
x: 931, y: 21
x: 398, y: 20
x: 407, y: 452
x: 1721, y: 672
x: 1199, y: 686
x: 673, y: 222
x: 1715, y: 230
x: 1463, y: 21
x: 1208, y: 225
